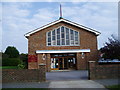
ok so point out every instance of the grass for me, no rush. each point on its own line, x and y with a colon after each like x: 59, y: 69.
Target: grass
x: 113, y: 87
x: 8, y: 67
x: 25, y: 88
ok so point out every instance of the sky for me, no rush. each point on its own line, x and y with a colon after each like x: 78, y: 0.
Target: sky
x: 18, y: 18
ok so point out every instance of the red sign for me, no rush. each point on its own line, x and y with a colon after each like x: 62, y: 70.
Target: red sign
x: 32, y: 58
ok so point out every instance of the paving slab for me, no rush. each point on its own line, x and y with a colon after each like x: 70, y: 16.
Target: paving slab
x: 67, y: 75
x: 108, y: 82
x: 56, y: 84
x: 75, y: 84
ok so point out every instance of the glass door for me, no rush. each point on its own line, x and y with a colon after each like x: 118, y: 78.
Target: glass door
x: 54, y: 63
x: 60, y: 63
x: 65, y: 63
x: 71, y: 63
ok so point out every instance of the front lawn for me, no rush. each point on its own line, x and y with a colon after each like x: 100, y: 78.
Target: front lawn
x: 113, y: 87
x: 8, y: 67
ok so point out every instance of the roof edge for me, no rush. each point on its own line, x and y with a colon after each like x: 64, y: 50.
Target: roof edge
x: 64, y: 20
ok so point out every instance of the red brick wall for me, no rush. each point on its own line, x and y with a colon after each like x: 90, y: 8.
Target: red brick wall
x: 104, y: 71
x: 24, y: 75
x: 88, y: 40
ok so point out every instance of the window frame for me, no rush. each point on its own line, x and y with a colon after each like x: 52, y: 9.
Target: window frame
x: 64, y: 37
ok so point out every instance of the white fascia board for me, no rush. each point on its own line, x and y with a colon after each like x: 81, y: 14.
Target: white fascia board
x: 86, y: 28
x: 28, y: 34
x: 62, y: 51
x: 57, y: 21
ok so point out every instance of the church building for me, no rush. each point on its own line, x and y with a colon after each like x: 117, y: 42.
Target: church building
x: 62, y: 45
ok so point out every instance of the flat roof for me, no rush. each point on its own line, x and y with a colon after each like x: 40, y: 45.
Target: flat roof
x: 63, y: 51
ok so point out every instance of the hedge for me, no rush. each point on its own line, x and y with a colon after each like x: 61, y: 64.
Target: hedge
x: 11, y: 61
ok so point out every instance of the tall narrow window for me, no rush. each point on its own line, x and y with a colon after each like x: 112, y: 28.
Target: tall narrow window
x: 76, y: 38
x: 67, y: 37
x: 63, y: 36
x: 53, y: 38
x: 49, y: 38
x: 58, y: 36
x: 71, y: 37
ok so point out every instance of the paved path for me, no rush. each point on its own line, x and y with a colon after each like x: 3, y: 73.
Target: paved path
x: 56, y: 84
x: 108, y: 82
x: 67, y: 75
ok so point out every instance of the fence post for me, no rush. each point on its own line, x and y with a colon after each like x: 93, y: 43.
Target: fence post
x: 91, y: 69
x: 42, y: 72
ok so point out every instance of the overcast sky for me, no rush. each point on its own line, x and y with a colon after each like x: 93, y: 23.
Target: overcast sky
x: 20, y: 18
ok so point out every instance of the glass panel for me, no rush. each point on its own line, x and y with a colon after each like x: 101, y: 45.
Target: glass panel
x: 63, y: 42
x: 58, y: 36
x: 76, y: 33
x: 67, y: 36
x: 76, y: 43
x: 62, y: 35
x: 58, y: 42
x: 71, y: 31
x: 72, y: 35
x: 67, y: 31
x: 58, y: 31
x: 52, y: 63
x: 49, y: 43
x: 53, y: 37
x: 72, y: 42
x: 62, y: 29
x: 49, y: 39
x: 60, y: 63
x: 65, y: 63
x: 54, y: 43
x: 76, y: 38
x: 67, y: 42
x: 49, y: 33
x: 56, y: 63
x: 53, y: 32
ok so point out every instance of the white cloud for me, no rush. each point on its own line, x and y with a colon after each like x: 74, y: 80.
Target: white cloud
x: 19, y: 18
x: 99, y: 16
x: 17, y: 23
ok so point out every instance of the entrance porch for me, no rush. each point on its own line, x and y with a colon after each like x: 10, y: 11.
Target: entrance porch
x: 74, y: 59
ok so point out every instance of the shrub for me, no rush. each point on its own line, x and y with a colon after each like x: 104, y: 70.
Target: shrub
x: 10, y: 61
x: 21, y: 65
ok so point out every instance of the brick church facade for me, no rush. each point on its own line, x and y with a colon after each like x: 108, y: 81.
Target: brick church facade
x: 62, y: 45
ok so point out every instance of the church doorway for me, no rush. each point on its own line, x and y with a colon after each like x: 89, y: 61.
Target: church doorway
x: 63, y: 61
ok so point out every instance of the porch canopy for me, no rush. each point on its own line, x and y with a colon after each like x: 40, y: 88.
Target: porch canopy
x: 63, y: 51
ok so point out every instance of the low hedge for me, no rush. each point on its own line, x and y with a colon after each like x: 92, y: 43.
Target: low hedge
x: 11, y: 61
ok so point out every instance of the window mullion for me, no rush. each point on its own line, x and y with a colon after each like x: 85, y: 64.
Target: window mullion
x: 65, y: 34
x: 47, y: 38
x: 60, y: 37
x: 78, y: 38
x: 69, y: 37
x: 55, y: 37
x: 51, y: 39
x: 74, y: 37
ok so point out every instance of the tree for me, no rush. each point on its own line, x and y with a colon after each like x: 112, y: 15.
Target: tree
x: 111, y: 50
x: 12, y: 52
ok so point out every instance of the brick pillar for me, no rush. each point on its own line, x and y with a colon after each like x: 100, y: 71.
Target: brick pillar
x: 48, y: 63
x: 42, y: 72
x: 81, y: 62
x: 91, y: 70
x: 78, y: 61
